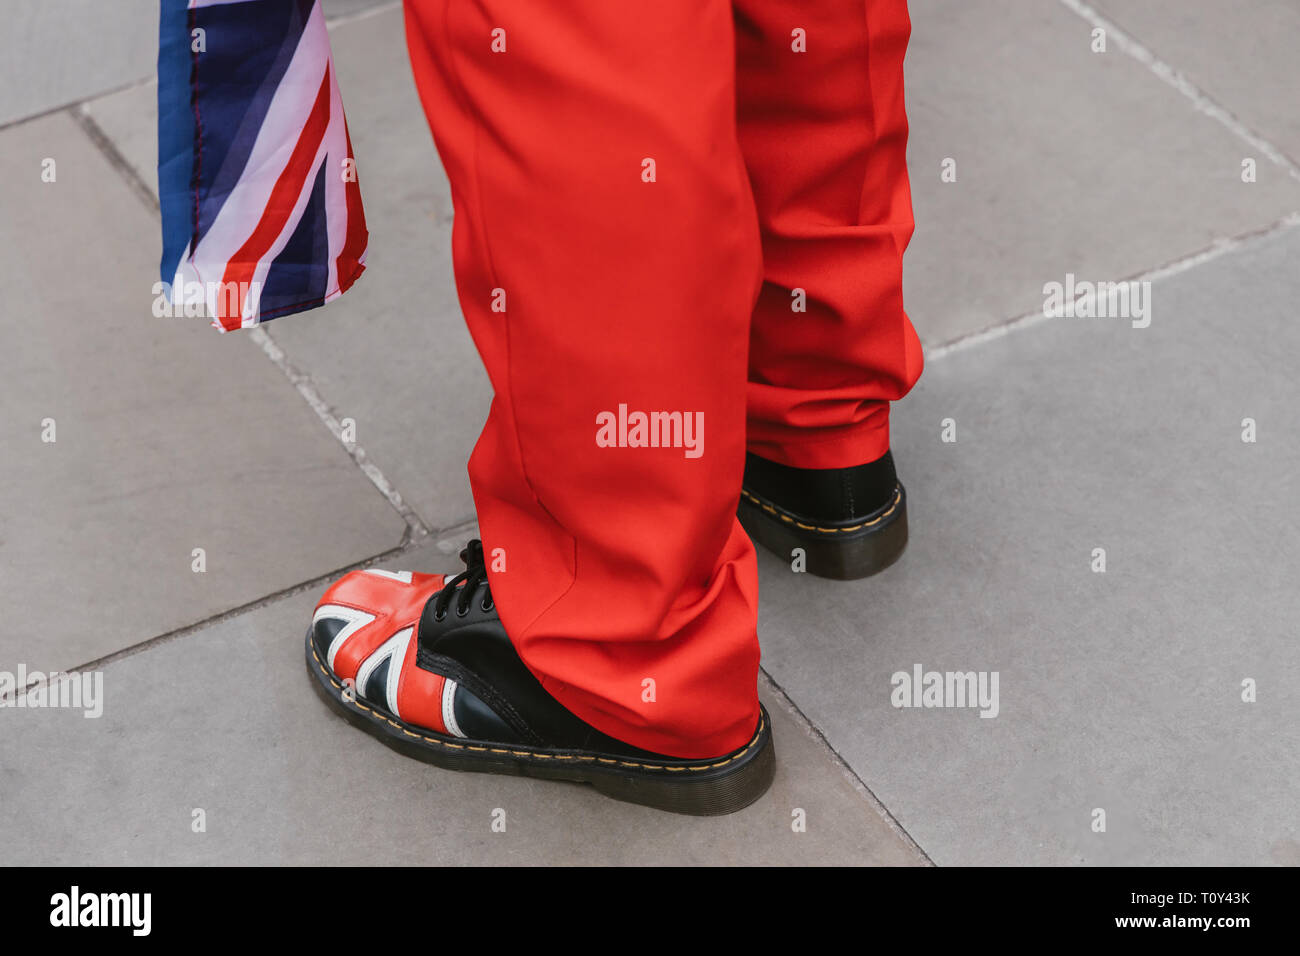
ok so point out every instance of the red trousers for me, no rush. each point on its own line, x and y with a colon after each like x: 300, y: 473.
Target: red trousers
x: 679, y: 230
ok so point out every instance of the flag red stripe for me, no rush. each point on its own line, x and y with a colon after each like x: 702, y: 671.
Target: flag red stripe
x: 355, y: 237
x: 284, y: 196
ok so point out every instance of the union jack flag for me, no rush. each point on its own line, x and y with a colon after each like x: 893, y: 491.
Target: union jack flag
x: 261, y: 210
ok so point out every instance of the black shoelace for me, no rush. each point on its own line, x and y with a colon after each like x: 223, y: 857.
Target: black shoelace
x: 475, y: 573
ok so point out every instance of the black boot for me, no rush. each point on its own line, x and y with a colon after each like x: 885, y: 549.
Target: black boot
x: 849, y: 522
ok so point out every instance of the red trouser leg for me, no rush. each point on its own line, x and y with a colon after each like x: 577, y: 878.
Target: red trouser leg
x: 622, y: 565
x: 824, y: 135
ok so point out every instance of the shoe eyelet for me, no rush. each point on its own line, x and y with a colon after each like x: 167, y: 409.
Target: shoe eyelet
x: 486, y: 607
x: 462, y: 611
x: 440, y: 617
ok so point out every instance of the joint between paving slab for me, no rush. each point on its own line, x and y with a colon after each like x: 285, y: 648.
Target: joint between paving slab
x: 416, y: 528
x: 303, y: 383
x: 80, y: 115
x: 1217, y: 249
x: 74, y: 104
x: 864, y: 791
x: 265, y: 600
x: 1174, y: 77
x: 408, y: 543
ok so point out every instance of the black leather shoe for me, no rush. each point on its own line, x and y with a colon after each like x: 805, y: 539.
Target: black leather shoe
x: 423, y: 663
x: 849, y: 522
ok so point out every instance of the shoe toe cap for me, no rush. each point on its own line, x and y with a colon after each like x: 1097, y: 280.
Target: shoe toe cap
x: 361, y: 601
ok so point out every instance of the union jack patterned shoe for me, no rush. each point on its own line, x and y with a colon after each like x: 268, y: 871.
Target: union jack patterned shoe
x: 422, y: 662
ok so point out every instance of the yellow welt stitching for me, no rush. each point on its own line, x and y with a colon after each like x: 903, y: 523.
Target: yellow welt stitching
x: 324, y: 669
x: 812, y: 527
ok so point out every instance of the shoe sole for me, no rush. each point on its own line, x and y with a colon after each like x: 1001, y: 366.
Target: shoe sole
x: 696, y: 787
x: 842, y: 552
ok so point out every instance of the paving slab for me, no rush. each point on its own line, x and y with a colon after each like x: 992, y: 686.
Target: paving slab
x: 224, y: 721
x: 168, y: 437
x: 1066, y: 161
x: 337, y: 10
x: 1119, y: 690
x: 1243, y: 55
x: 52, y: 54
x: 393, y: 354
